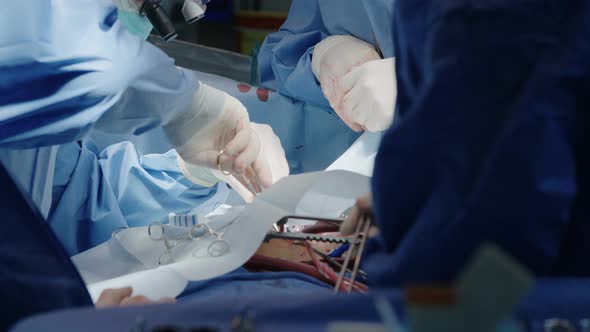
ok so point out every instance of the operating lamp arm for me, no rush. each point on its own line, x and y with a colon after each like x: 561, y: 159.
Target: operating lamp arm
x: 192, y: 10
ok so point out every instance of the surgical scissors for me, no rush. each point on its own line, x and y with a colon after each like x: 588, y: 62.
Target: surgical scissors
x: 217, y: 248
x: 251, y: 188
x: 241, y: 177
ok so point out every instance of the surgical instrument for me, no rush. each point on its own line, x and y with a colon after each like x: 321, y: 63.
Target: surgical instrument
x: 217, y: 248
x: 334, y: 264
x: 330, y: 274
x: 361, y: 232
x: 278, y: 226
x: 242, y: 177
x: 305, y: 237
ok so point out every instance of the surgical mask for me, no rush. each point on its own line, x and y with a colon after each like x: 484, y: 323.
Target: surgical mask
x: 136, y: 24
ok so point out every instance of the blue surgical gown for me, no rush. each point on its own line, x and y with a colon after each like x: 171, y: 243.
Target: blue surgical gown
x: 68, y: 67
x: 312, y: 137
x: 285, y: 57
x: 492, y: 141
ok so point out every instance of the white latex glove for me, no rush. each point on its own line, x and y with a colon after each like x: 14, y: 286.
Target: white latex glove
x: 334, y: 57
x: 271, y: 153
x: 369, y: 92
x: 120, y: 297
x: 219, y: 122
x: 362, y: 206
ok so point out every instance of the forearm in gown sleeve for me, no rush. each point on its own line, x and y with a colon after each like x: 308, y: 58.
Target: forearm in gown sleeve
x: 285, y: 57
x: 119, y: 84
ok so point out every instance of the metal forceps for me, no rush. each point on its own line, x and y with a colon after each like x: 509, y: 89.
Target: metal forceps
x: 241, y: 177
x: 359, y: 238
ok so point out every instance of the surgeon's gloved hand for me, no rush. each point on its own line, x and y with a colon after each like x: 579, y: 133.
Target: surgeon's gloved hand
x: 363, y: 205
x: 117, y: 297
x: 333, y: 58
x: 218, y: 123
x: 217, y: 134
x: 369, y: 92
x: 271, y: 154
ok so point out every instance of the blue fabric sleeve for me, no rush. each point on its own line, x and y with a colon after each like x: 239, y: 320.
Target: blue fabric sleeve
x: 96, y: 192
x: 285, y: 57
x: 63, y: 70
x: 473, y: 159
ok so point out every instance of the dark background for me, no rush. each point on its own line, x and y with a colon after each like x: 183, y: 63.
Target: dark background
x: 234, y: 25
